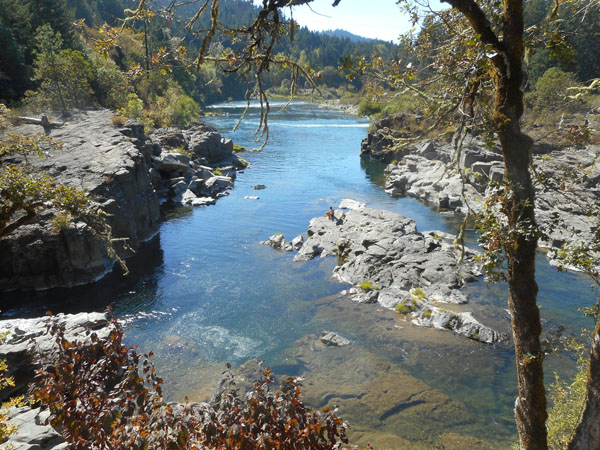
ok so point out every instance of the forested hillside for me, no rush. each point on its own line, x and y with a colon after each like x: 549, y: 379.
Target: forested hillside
x: 147, y: 74
x: 52, y: 58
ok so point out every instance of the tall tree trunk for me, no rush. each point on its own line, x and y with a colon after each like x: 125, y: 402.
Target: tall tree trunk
x: 530, y: 405
x: 587, y: 433
x: 56, y: 77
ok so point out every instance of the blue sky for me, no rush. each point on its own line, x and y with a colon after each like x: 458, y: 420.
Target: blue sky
x: 379, y: 19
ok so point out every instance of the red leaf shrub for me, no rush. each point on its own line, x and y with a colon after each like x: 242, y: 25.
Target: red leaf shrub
x: 102, y: 395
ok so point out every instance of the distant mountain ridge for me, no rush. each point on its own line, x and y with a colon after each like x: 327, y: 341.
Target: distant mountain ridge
x: 343, y: 34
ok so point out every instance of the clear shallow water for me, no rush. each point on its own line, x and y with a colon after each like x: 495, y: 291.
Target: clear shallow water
x: 204, y: 292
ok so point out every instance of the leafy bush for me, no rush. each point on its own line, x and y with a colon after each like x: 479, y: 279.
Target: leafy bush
x: 567, y: 398
x: 402, y: 308
x: 102, y: 394
x: 366, y: 286
x: 109, y: 84
x: 174, y: 108
x: 7, y: 430
x: 369, y: 108
x: 419, y: 293
x: 62, y: 221
x: 551, y: 92
x: 118, y: 120
x: 135, y: 110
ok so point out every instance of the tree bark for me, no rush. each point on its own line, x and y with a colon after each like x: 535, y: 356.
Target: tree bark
x: 530, y: 405
x: 587, y: 433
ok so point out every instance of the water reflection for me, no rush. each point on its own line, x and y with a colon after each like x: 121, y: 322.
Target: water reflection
x: 140, y: 288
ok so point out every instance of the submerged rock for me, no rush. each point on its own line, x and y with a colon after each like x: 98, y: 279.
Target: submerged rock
x: 331, y: 339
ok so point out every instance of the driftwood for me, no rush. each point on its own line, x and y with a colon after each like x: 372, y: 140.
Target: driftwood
x: 44, y: 122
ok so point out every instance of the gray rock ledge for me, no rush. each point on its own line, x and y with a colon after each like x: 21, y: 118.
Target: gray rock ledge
x: 387, y: 261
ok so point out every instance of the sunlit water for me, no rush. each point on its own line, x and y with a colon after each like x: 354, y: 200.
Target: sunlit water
x: 204, y: 292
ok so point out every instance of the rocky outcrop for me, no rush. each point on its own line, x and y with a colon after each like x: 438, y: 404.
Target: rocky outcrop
x: 387, y: 261
x: 111, y: 165
x: 25, y: 337
x: 436, y: 172
x: 196, y: 166
x: 426, y: 172
x: 32, y: 431
x: 562, y: 207
x: 278, y: 242
x: 380, y: 142
x: 126, y: 174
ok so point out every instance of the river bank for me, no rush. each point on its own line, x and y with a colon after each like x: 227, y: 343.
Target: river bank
x: 127, y: 174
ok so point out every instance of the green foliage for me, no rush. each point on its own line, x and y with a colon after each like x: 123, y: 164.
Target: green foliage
x: 369, y: 108
x: 368, y: 286
x: 419, y: 293
x: 174, y: 108
x: 110, y: 85
x: 135, y: 110
x: 551, y: 91
x: 427, y: 314
x: 567, y: 398
x: 62, y: 221
x: 25, y: 146
x: 23, y: 193
x: 7, y: 430
x: 105, y: 395
x: 403, y: 308
x: 64, y: 75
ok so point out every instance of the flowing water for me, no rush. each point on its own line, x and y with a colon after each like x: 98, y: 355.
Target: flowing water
x: 204, y: 293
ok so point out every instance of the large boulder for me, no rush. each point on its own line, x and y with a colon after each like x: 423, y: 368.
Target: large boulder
x: 211, y: 145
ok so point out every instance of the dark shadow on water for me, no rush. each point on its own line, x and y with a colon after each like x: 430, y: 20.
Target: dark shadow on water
x: 374, y: 171
x: 145, y: 269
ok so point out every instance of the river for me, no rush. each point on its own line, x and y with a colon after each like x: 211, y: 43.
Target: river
x: 204, y: 292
